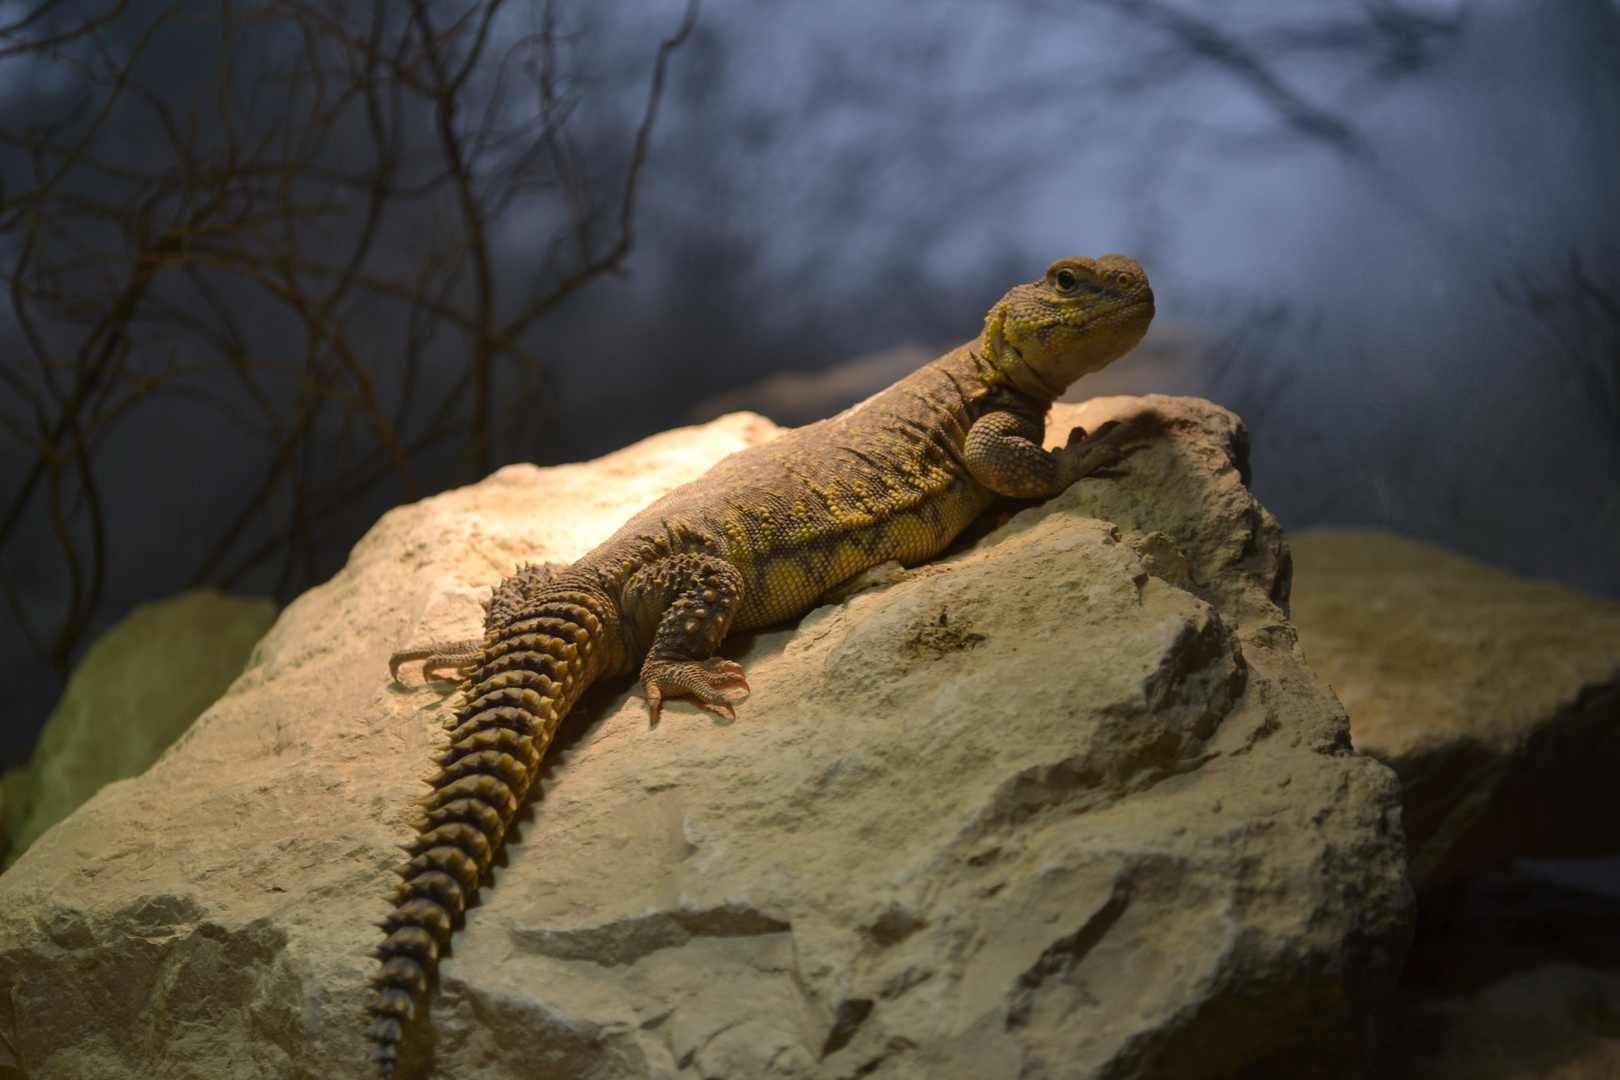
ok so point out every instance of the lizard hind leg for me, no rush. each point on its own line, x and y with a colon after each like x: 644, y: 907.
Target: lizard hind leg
x: 510, y: 600
x: 699, y: 594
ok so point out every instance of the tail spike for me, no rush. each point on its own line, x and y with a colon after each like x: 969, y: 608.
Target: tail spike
x: 497, y: 732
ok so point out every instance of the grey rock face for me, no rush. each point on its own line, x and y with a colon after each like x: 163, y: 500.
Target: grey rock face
x: 1065, y: 803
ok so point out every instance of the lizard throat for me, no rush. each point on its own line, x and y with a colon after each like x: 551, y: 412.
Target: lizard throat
x: 1026, y: 378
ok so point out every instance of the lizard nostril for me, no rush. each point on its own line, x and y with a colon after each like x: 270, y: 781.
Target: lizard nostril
x: 1125, y: 281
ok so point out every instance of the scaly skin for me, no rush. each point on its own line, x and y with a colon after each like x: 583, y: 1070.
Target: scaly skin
x: 759, y: 538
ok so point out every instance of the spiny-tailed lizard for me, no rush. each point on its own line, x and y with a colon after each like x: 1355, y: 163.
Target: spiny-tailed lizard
x: 761, y: 537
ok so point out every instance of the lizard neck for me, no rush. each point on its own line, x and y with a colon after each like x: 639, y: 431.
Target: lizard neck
x: 1005, y: 366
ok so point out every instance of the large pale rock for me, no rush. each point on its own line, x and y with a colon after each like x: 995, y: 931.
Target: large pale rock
x: 138, y: 687
x: 1496, y: 699
x: 1066, y: 803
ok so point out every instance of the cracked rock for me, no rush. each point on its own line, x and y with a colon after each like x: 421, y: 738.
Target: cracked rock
x: 1065, y: 803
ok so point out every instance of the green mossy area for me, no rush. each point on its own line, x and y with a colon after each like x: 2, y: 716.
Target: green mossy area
x: 141, y: 685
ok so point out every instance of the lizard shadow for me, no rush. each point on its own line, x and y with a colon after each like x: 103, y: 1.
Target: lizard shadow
x: 590, y: 712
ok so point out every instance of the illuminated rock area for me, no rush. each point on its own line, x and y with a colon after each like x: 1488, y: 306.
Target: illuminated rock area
x: 1064, y: 803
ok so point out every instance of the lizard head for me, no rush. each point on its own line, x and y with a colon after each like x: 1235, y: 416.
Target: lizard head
x: 1081, y: 317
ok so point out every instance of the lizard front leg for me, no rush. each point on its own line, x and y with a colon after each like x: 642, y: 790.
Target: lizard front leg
x: 698, y: 595
x: 1004, y: 453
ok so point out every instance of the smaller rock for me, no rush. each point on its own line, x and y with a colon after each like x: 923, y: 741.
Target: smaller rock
x: 792, y: 398
x: 1512, y: 976
x: 1495, y: 699
x: 137, y: 690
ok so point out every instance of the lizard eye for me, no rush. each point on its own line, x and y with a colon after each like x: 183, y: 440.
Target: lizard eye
x: 1125, y: 281
x: 1067, y: 279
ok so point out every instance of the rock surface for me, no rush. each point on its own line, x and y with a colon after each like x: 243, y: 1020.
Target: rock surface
x: 1496, y: 699
x: 138, y: 687
x: 1065, y: 803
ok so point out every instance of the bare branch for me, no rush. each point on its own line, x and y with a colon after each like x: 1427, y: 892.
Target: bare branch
x: 296, y: 240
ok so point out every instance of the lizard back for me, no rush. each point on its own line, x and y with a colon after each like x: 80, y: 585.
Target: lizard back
x: 810, y: 509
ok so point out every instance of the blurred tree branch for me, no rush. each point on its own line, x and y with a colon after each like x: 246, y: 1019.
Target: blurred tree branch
x: 303, y: 242
x: 1205, y: 39
x: 1397, y: 38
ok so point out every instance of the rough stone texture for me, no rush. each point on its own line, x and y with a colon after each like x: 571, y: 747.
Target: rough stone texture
x: 1066, y: 803
x: 138, y: 687
x: 1496, y: 699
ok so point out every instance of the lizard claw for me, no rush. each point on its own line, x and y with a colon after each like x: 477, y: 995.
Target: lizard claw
x: 1111, y: 442
x: 703, y: 681
x: 1122, y: 435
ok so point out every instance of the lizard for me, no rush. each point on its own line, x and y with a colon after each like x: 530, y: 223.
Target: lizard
x: 760, y: 538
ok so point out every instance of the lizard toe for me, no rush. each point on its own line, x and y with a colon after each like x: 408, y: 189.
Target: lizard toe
x: 456, y: 657
x: 704, y: 681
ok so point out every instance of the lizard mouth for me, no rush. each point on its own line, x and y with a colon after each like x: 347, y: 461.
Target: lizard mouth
x: 1126, y: 305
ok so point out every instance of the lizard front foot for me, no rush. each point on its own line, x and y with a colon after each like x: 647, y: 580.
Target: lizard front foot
x: 1084, y: 454
x: 705, y: 680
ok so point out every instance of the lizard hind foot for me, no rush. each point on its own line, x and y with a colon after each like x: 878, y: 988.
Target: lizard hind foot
x: 703, y: 680
x: 456, y: 657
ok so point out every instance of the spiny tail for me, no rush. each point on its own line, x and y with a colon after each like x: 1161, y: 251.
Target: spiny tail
x: 529, y: 673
